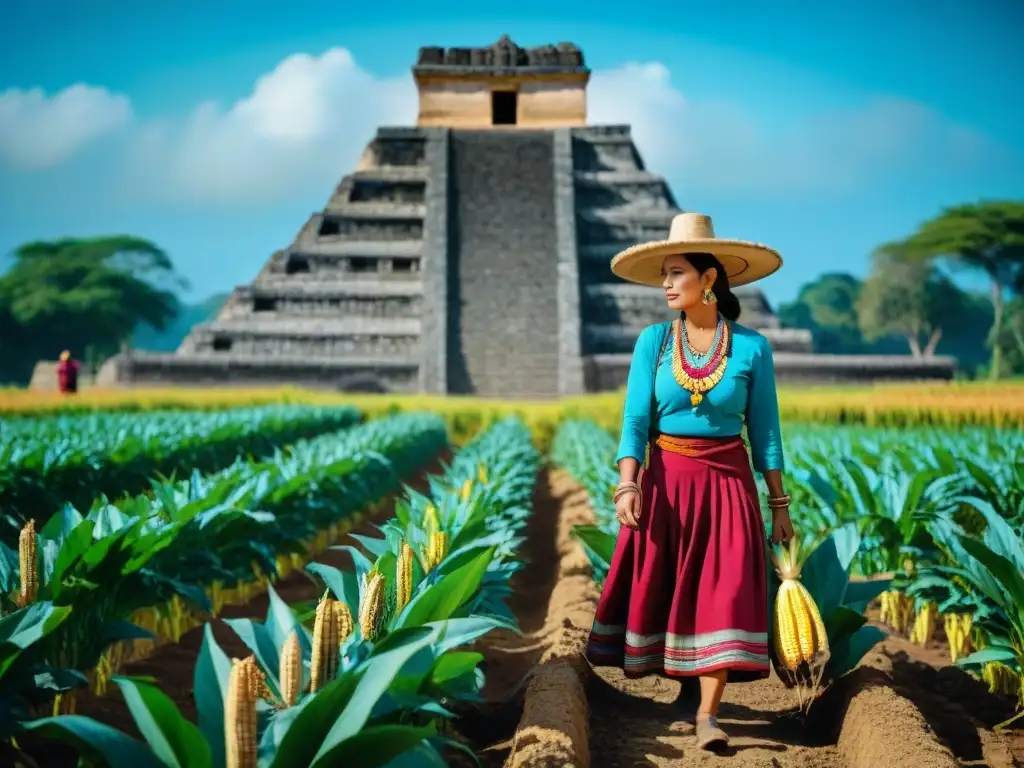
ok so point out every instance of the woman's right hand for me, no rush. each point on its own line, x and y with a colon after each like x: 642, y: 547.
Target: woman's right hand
x: 627, y: 509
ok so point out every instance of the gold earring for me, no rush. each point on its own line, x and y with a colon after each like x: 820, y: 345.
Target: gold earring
x: 708, y: 296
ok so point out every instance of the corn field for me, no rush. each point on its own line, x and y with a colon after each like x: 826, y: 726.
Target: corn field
x: 124, y: 530
x: 317, y: 689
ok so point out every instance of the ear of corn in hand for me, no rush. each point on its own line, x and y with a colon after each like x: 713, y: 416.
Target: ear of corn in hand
x: 800, y: 640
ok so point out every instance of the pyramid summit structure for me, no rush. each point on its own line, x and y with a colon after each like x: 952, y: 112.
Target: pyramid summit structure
x: 469, y: 254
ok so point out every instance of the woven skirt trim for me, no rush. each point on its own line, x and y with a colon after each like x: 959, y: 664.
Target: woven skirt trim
x: 678, y: 654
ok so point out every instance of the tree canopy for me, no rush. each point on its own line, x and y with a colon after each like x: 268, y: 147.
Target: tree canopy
x: 911, y: 299
x: 82, y: 294
x: 848, y: 316
x: 827, y: 306
x: 985, y: 237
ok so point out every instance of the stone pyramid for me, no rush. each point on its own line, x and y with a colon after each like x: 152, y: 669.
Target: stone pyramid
x: 466, y: 255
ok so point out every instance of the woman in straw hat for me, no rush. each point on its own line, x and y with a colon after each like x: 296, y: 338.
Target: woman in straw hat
x: 686, y: 594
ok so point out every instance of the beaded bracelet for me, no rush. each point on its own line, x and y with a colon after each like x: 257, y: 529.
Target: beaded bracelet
x: 623, y: 488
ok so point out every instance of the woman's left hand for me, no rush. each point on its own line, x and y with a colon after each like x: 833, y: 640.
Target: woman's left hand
x: 782, y: 526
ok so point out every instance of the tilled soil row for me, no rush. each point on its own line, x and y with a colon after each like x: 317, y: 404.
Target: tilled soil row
x: 553, y: 729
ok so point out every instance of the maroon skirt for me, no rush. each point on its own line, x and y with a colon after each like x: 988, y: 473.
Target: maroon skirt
x: 687, y: 592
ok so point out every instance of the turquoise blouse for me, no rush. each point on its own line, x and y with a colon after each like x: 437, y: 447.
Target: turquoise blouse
x: 746, y: 393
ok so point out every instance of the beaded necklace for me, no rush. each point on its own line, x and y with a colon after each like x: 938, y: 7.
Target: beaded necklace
x: 698, y: 372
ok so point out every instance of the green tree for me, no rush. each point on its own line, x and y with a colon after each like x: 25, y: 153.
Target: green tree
x: 909, y: 298
x: 1011, y: 340
x: 828, y: 308
x: 82, y: 294
x: 987, y: 237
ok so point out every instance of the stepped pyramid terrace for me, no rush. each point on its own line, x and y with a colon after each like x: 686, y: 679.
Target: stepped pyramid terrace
x: 469, y: 254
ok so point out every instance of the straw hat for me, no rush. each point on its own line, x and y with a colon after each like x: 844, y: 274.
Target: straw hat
x: 693, y: 233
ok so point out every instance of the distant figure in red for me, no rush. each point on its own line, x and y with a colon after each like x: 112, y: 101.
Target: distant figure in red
x: 67, y: 374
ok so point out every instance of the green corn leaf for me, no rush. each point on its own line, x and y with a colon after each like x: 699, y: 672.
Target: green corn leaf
x: 95, y: 739
x: 173, y: 739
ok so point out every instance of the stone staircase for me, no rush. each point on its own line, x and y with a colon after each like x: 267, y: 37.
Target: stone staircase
x: 345, y: 300
x: 503, y: 340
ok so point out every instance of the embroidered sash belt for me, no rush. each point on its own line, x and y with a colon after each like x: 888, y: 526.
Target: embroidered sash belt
x: 693, y: 446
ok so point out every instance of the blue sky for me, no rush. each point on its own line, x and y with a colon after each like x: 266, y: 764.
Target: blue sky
x: 822, y: 129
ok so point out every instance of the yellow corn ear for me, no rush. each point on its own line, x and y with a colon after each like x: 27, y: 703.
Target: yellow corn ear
x: 430, y: 521
x: 245, y: 684
x: 925, y: 623
x: 886, y: 612
x: 799, y: 634
x: 403, y: 577
x: 467, y: 489
x: 290, y: 672
x: 28, y: 563
x: 437, y: 549
x: 1001, y: 679
x: 326, y: 644
x: 344, y: 618
x: 373, y: 604
x: 481, y: 473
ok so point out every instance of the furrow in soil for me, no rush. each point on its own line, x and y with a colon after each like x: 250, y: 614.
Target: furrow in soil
x: 510, y: 660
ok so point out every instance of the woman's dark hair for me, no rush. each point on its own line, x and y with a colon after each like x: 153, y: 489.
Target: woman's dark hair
x: 728, y: 304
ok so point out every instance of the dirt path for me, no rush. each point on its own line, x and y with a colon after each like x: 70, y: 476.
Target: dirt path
x: 896, y: 710
x: 553, y: 725
x: 509, y: 658
x: 957, y: 707
x: 650, y: 722
x: 173, y: 665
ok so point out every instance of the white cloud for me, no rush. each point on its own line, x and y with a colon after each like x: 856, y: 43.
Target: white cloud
x: 720, y: 146
x: 40, y: 131
x: 305, y: 123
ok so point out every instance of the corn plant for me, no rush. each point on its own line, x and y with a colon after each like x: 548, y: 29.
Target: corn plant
x: 586, y: 452
x: 374, y: 711
x: 982, y: 578
x: 77, y: 562
x: 453, y: 551
x: 26, y: 680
